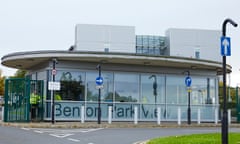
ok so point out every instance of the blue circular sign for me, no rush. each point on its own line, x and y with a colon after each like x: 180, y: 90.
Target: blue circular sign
x: 188, y: 81
x: 99, y: 80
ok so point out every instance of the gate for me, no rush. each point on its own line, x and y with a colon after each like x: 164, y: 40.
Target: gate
x: 17, y: 106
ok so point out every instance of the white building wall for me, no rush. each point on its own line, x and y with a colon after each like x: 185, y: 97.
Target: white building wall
x: 185, y: 42
x: 99, y: 37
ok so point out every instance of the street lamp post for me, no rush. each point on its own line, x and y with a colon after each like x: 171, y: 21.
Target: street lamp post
x: 225, y: 113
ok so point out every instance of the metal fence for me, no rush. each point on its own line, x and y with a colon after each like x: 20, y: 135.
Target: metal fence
x: 17, y: 99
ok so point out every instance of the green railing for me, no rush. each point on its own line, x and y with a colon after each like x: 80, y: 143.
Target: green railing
x: 17, y: 106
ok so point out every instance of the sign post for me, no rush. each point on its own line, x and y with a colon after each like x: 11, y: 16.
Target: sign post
x: 53, y: 86
x: 99, y: 83
x: 225, y: 46
x: 225, y: 51
x: 188, y: 82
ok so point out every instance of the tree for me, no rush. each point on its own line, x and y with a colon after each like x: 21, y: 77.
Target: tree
x: 2, y: 79
x: 231, y: 95
x: 20, y: 74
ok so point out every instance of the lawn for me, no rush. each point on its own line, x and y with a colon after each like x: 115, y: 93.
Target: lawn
x: 211, y: 138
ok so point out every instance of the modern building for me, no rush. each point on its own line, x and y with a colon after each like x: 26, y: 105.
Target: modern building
x: 142, y: 71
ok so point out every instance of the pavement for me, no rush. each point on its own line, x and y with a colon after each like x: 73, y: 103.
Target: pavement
x: 112, y: 125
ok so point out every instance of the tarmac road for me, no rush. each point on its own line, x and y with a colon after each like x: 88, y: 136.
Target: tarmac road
x: 18, y: 135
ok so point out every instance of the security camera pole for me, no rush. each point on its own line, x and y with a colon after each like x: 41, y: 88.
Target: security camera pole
x: 225, y: 51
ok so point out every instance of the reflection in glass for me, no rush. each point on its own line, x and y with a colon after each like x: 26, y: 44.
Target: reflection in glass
x: 126, y: 87
x: 152, y: 89
x: 176, y: 90
x: 72, y: 86
x: 106, y: 92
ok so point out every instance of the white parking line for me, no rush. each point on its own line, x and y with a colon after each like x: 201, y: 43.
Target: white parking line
x: 36, y: 131
x: 60, y: 135
x: 74, y: 140
x: 25, y: 128
x: 90, y: 130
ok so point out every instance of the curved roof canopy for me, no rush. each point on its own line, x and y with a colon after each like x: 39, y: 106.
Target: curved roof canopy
x: 27, y: 60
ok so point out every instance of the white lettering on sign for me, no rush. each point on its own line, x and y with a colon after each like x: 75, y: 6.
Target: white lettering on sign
x: 53, y: 85
x: 99, y: 86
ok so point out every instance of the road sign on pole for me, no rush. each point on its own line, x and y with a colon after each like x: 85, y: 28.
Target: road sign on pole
x: 99, y: 80
x: 188, y: 81
x: 225, y: 46
x: 54, y: 71
x: 54, y: 85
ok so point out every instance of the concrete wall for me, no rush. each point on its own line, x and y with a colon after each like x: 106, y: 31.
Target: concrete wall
x: 186, y: 42
x: 105, y: 38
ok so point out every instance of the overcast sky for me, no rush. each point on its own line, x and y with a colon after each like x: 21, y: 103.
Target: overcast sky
x: 29, y: 25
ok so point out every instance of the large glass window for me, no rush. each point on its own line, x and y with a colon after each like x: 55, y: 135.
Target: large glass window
x: 139, y: 49
x: 72, y: 85
x: 151, y: 41
x: 157, y: 42
x: 212, y: 90
x: 152, y: 45
x: 92, y: 92
x: 145, y: 50
x: 106, y: 92
x: 126, y: 87
x: 203, y: 90
x: 176, y: 90
x: 139, y: 41
x: 145, y: 41
x: 152, y: 89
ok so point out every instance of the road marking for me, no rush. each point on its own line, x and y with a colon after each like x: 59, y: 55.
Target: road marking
x: 25, y: 128
x: 60, y: 135
x: 75, y: 140
x: 90, y: 130
x: 36, y: 131
x: 41, y: 130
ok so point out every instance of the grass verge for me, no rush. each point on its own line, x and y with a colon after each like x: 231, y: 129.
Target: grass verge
x: 210, y: 138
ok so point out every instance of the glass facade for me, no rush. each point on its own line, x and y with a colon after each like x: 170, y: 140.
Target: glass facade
x: 126, y: 90
x: 150, y: 45
x: 159, y: 86
x: 152, y: 89
x: 72, y: 85
x: 126, y: 87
